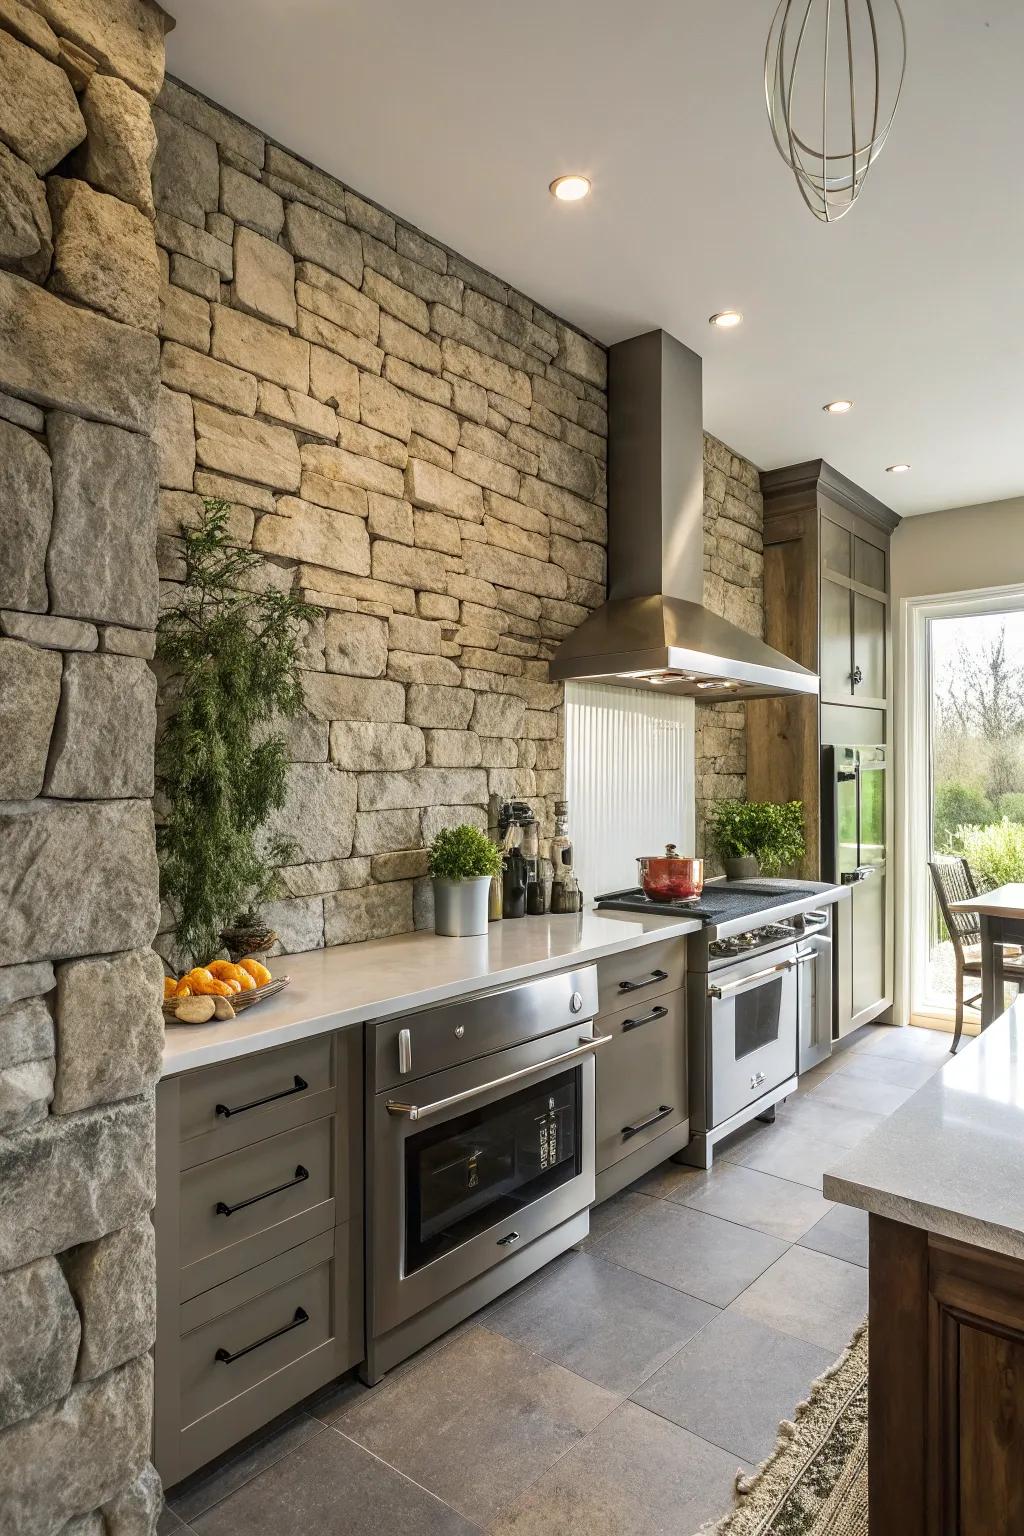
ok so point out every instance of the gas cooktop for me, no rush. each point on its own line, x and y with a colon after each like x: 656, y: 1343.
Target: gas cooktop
x: 738, y: 916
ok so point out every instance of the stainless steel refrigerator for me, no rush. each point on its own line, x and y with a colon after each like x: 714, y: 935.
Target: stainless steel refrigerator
x: 856, y: 842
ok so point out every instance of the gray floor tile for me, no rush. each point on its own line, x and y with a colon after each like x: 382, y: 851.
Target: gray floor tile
x: 611, y: 1325
x: 811, y: 1296
x: 889, y: 1069
x: 169, y: 1524
x: 778, y: 1207
x: 637, y: 1474
x: 210, y: 1484
x: 842, y: 1232
x: 611, y: 1212
x: 734, y: 1382
x: 822, y: 1116
x: 659, y: 1182
x: 710, y: 1259
x: 910, y: 1043
x: 793, y: 1154
x: 331, y: 1487
x: 478, y: 1422
x: 860, y: 1093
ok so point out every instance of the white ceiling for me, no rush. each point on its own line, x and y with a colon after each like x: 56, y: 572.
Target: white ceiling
x: 457, y: 113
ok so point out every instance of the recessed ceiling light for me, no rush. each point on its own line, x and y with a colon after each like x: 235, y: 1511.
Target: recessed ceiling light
x: 896, y: 469
x: 569, y: 189
x: 838, y: 407
x: 725, y: 319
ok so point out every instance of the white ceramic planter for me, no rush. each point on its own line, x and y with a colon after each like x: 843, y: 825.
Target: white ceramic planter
x: 460, y: 906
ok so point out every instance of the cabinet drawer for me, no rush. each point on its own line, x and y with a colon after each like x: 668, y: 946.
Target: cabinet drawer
x: 641, y: 1075
x: 238, y: 1102
x: 241, y: 1209
x: 640, y: 974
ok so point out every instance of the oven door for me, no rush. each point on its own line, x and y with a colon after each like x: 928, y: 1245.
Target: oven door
x: 752, y: 1010
x: 472, y: 1164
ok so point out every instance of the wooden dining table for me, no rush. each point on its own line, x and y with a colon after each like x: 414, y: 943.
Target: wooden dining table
x: 1002, y: 922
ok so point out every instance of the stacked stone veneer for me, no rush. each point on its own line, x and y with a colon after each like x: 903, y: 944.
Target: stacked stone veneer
x: 733, y: 588
x: 420, y: 451
x: 80, y: 1024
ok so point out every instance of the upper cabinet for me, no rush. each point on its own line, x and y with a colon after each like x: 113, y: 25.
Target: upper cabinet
x: 854, y: 574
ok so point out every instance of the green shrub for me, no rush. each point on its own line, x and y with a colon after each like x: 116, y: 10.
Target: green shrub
x: 959, y: 805
x: 1011, y: 807
x: 463, y: 853
x: 774, y: 834
x: 995, y: 853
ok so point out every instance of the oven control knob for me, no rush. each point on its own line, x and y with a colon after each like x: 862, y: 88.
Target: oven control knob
x: 576, y: 1002
x: 460, y: 1030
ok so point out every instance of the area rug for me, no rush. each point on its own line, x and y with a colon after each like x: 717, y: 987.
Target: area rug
x: 815, y: 1482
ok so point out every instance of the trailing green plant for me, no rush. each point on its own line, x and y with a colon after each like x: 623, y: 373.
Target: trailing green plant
x: 463, y: 853
x: 230, y: 648
x: 995, y: 853
x: 773, y: 834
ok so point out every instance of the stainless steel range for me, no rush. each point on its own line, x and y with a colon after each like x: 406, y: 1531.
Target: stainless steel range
x: 758, y: 997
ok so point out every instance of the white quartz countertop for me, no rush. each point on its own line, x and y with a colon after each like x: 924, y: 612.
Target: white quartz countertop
x: 355, y: 983
x: 951, y: 1159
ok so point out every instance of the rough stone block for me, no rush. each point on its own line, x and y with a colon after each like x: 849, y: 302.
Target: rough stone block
x: 29, y: 692
x: 101, y: 562
x: 39, y: 115
x: 384, y: 407
x: 437, y: 818
x: 76, y: 879
x: 415, y: 381
x: 109, y: 1029
x: 252, y: 450
x: 427, y: 485
x: 76, y: 1455
x: 25, y: 1094
x: 318, y: 816
x: 265, y: 350
x: 426, y: 282
x: 124, y: 37
x: 318, y: 879
x: 234, y: 136
x: 498, y: 714
x: 264, y: 282
x: 438, y: 706
x: 330, y: 296
x: 40, y: 1331
x: 119, y: 151
x: 389, y: 518
x: 25, y: 229
x: 486, y: 372
x: 175, y: 440
x: 299, y: 924
x: 56, y: 354
x: 26, y: 509
x: 370, y: 913
x: 519, y: 572
x: 117, y: 641
x: 296, y: 410
x: 193, y: 373
x: 184, y: 318
x: 406, y: 864
x: 193, y: 275
x: 113, y: 1282
x: 312, y: 533
x: 352, y: 469
x: 26, y: 1028
x: 356, y: 644
x: 325, y: 333
x: 177, y: 235
x: 314, y: 236
x: 486, y: 472
x: 330, y: 696
x: 301, y: 175
x: 248, y: 201
x: 360, y: 745
x: 136, y: 1509
x: 335, y: 381
x: 29, y: 27
x: 409, y: 667
x: 422, y: 636
x: 385, y: 831
x: 71, y: 1181
x: 366, y: 443
x: 186, y: 172
x: 104, y: 253
x: 422, y: 787
x: 397, y: 301
x: 453, y: 749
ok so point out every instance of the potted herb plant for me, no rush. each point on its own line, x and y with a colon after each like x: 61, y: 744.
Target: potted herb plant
x: 462, y: 863
x: 754, y: 837
x: 228, y: 650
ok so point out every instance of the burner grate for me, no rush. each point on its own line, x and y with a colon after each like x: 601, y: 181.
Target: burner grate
x: 716, y: 903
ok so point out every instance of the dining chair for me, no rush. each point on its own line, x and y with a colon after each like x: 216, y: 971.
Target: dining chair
x: 954, y: 880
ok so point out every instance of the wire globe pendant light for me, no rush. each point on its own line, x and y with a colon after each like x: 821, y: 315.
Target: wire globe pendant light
x: 833, y: 73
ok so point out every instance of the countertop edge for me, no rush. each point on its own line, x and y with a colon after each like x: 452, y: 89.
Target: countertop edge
x: 958, y: 1226
x: 211, y: 1052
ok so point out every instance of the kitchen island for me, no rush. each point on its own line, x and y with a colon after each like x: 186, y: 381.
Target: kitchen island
x: 943, y: 1181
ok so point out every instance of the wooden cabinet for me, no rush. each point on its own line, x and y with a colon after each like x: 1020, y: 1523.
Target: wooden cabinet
x: 259, y: 1241
x: 946, y: 1395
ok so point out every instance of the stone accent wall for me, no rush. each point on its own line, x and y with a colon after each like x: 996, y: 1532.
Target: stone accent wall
x: 80, y: 1023
x: 733, y: 588
x: 418, y: 449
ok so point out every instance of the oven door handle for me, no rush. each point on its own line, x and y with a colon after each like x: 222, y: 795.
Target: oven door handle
x: 586, y: 1047
x: 732, y: 987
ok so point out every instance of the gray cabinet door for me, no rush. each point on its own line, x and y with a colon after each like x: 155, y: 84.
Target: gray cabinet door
x: 641, y: 1076
x: 836, y: 641
x: 869, y: 633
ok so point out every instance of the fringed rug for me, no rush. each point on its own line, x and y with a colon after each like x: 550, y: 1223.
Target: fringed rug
x: 815, y: 1482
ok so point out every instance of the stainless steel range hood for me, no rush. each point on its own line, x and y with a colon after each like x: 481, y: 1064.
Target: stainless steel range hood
x: 654, y: 632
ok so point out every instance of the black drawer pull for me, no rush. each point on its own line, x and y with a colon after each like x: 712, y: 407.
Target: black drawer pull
x: 225, y: 1357
x: 648, y: 1018
x: 223, y: 1209
x: 644, y: 981
x: 300, y: 1087
x: 629, y: 1131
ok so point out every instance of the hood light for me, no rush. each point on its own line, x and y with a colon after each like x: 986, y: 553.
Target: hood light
x: 838, y: 407
x: 569, y: 189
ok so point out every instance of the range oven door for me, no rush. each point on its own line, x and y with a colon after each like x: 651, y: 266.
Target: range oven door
x: 752, y: 1031
x: 473, y: 1163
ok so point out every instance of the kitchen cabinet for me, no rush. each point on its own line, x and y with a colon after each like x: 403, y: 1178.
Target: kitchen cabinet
x: 827, y: 605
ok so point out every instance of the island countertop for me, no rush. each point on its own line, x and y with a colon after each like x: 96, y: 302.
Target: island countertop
x: 356, y: 983
x: 951, y: 1159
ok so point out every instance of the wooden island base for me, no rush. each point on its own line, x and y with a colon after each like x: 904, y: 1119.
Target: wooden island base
x: 946, y: 1389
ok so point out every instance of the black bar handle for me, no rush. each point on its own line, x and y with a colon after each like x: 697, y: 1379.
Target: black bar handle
x: 225, y: 1356
x: 628, y: 1131
x: 648, y: 1018
x: 644, y: 981
x: 300, y: 1087
x: 223, y: 1209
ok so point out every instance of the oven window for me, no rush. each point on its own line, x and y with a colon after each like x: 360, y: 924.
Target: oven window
x: 757, y: 1017
x: 467, y: 1174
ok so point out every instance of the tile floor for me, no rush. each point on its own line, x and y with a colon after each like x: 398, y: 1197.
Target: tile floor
x: 617, y: 1392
